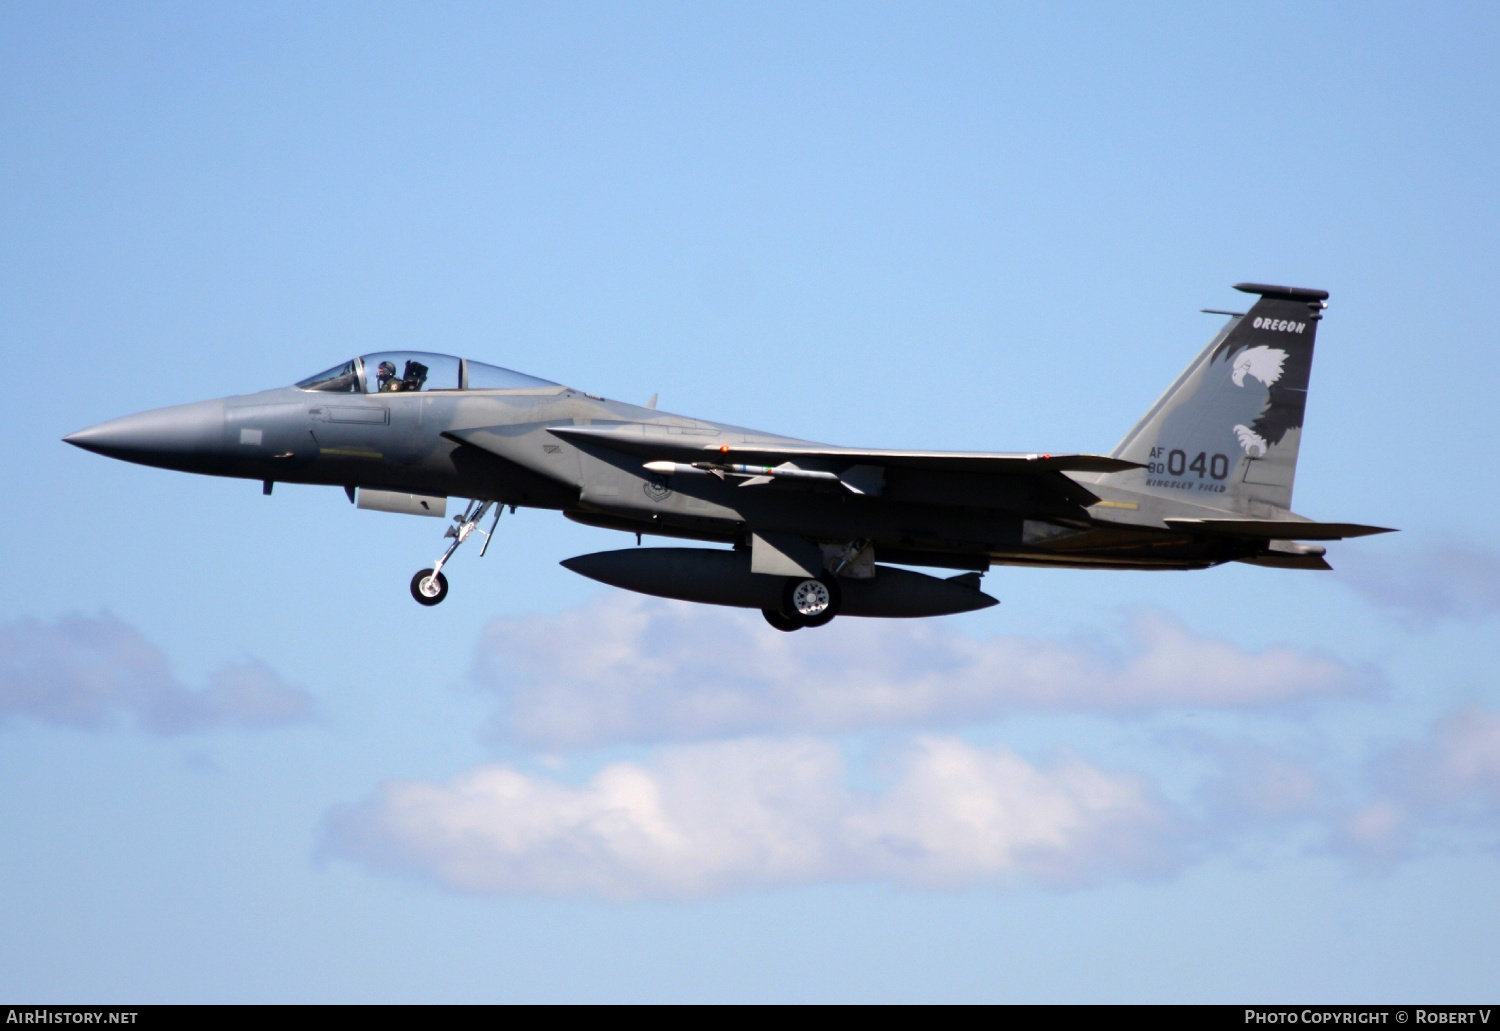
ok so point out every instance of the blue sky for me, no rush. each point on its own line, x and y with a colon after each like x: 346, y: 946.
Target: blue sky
x: 238, y: 763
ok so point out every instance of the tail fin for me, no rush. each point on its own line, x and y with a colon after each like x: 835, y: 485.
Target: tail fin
x: 1227, y: 432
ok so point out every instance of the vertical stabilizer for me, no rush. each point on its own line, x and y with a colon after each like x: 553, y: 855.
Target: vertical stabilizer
x: 1227, y: 432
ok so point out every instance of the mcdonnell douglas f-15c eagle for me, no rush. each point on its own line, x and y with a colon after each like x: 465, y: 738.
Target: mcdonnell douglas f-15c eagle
x: 1205, y: 477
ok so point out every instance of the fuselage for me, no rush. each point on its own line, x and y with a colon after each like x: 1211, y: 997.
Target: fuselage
x: 497, y: 444
x: 1204, y: 477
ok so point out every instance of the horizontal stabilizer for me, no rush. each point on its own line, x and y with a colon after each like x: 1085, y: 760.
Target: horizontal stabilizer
x: 1276, y: 529
x: 631, y: 440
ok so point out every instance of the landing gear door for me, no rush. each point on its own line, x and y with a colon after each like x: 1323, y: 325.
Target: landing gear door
x: 784, y: 554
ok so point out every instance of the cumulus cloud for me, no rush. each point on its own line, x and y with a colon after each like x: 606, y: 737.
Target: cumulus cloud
x: 1423, y: 585
x: 708, y: 818
x: 92, y: 673
x: 1252, y: 785
x: 1448, y: 778
x: 631, y: 668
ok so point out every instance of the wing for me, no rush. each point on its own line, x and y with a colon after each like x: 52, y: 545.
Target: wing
x: 862, y: 471
x: 631, y: 440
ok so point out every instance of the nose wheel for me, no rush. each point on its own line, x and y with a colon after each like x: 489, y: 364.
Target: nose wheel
x: 430, y: 586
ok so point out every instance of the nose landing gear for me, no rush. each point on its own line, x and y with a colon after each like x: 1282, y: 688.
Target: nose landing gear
x: 430, y: 586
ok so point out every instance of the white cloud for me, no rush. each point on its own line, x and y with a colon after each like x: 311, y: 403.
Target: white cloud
x: 961, y: 814
x: 1253, y: 784
x: 91, y: 673
x: 1377, y: 830
x: 1440, y: 790
x: 1422, y: 585
x: 708, y: 818
x: 1443, y: 781
x: 246, y: 694
x: 1460, y: 759
x: 632, y: 668
x: 1450, y: 777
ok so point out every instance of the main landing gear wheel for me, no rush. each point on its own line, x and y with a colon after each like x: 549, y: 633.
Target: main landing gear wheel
x: 781, y: 622
x: 427, y: 588
x: 811, y: 602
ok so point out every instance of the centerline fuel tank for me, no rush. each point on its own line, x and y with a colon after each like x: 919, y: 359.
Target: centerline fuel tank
x: 718, y: 577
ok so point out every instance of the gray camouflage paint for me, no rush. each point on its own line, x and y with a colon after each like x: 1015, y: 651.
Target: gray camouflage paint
x: 1240, y: 405
x: 1241, y: 400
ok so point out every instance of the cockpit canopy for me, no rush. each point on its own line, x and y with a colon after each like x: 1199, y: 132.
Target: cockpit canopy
x: 393, y: 372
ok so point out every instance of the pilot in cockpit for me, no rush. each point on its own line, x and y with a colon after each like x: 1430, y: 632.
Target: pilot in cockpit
x: 385, y: 375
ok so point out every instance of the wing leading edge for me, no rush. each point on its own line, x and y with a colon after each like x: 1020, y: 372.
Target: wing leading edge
x: 633, y: 441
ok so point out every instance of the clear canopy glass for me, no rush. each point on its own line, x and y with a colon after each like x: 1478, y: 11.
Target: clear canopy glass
x: 341, y: 379
x: 493, y: 377
x: 396, y: 372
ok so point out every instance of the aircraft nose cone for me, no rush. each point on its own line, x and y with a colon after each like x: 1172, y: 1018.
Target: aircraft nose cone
x: 182, y: 436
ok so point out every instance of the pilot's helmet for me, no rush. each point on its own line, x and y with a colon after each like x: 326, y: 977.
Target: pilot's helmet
x: 386, y: 369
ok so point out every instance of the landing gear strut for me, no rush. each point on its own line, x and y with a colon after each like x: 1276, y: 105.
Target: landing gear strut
x: 430, y: 586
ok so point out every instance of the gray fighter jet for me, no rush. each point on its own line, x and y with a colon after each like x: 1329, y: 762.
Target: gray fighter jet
x: 1204, y: 478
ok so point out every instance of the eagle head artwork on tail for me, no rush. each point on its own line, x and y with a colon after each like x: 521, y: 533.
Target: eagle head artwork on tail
x: 1239, y: 405
x: 1274, y: 379
x: 1265, y: 364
